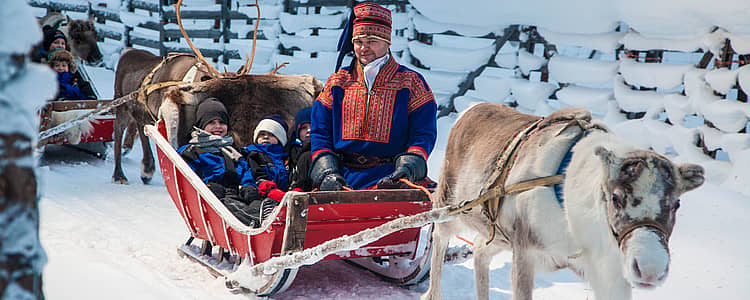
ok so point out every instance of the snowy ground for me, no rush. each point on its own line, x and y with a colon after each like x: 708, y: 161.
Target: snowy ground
x: 109, y: 241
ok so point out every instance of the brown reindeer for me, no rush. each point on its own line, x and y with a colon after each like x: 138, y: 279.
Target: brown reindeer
x: 246, y: 97
x: 611, y: 224
x: 134, y: 66
x: 81, y: 36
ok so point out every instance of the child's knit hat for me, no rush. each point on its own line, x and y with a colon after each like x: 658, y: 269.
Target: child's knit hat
x: 273, y: 124
x: 209, y: 110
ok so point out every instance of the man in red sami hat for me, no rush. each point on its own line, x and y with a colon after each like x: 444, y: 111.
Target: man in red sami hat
x: 375, y: 120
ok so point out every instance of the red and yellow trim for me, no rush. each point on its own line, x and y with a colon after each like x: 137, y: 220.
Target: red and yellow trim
x: 418, y: 151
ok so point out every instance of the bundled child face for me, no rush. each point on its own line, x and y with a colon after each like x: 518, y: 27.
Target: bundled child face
x: 58, y: 43
x: 60, y: 66
x: 266, y: 138
x: 217, y: 127
x: 304, y: 132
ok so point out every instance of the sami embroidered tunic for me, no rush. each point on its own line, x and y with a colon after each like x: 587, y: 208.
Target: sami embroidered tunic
x: 397, y: 115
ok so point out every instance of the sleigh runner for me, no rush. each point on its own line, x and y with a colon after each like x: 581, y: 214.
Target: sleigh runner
x: 303, y: 221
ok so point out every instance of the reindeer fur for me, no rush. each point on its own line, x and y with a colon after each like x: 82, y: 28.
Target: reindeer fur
x: 77, y: 132
x: 132, y: 68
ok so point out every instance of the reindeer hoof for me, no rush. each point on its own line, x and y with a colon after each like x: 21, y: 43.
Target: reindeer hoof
x: 125, y: 151
x: 145, y: 180
x: 122, y: 180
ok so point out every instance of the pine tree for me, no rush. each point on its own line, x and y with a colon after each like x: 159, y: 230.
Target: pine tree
x: 23, y: 88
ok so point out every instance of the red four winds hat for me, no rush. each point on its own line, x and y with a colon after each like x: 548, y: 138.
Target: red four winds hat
x: 372, y: 20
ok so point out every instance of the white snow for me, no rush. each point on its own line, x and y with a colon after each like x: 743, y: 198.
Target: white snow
x: 605, y: 42
x: 445, y: 58
x: 662, y: 76
x: 568, y: 69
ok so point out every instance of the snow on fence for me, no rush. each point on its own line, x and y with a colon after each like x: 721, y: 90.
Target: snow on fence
x: 676, y: 96
x: 221, y: 29
x: 311, y: 29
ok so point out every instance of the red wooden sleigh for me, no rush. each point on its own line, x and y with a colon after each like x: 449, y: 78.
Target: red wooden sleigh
x: 308, y: 220
x: 103, y: 125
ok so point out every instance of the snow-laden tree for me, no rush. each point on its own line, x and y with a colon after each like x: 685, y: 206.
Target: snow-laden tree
x: 23, y: 88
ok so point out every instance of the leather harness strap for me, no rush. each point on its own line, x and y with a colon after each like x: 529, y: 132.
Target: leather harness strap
x: 146, y: 87
x: 492, y: 196
x: 635, y: 225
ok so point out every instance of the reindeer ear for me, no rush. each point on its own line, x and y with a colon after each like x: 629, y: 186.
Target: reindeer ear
x: 691, y: 176
x: 607, y: 157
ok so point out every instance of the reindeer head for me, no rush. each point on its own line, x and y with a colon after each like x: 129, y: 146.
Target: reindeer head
x: 642, y: 193
x: 83, y: 40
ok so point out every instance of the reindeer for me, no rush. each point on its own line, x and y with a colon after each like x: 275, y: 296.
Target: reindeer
x: 613, y: 220
x: 246, y: 97
x: 132, y: 68
x: 81, y: 35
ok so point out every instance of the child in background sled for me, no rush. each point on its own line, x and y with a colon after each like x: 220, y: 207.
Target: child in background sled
x: 71, y: 84
x: 266, y: 157
x: 213, y: 157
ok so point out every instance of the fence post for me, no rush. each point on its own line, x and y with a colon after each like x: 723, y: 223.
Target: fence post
x: 225, y: 26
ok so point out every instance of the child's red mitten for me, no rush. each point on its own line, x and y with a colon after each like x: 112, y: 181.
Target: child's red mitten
x: 276, y: 195
x: 265, y: 187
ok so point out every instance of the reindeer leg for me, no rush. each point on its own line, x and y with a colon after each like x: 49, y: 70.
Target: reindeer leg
x: 147, y: 164
x: 121, y: 121
x: 440, y: 238
x: 483, y: 255
x: 522, y: 274
x: 130, y: 135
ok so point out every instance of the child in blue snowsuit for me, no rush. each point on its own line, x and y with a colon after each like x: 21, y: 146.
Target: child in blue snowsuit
x: 212, y: 155
x: 71, y: 84
x: 267, y: 155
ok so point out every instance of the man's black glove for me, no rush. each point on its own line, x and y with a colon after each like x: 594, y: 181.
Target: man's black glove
x: 408, y: 165
x: 325, y: 173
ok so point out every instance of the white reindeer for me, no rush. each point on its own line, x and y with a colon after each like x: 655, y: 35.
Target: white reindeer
x: 612, y: 228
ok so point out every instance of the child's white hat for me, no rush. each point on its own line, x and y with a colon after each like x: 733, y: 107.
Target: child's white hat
x: 273, y: 124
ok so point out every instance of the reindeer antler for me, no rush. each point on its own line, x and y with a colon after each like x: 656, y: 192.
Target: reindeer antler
x: 278, y: 67
x: 246, y: 68
x: 197, y: 52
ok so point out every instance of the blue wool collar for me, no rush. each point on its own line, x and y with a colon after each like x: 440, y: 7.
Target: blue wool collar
x: 564, y: 166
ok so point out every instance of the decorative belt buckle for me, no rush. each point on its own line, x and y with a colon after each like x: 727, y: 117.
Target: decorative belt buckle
x: 361, y: 160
